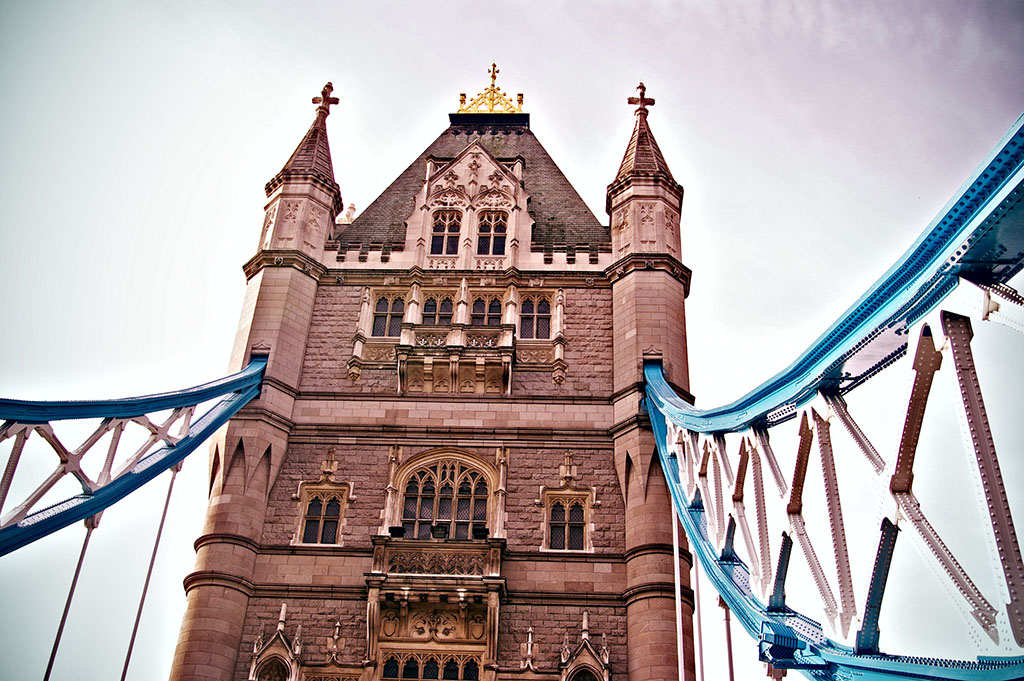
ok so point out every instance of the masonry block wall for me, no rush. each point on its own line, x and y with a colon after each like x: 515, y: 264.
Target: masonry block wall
x: 449, y: 473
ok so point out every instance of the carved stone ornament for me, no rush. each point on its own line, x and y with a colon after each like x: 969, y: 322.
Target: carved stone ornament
x: 534, y: 356
x: 448, y: 198
x: 430, y: 340
x: 389, y: 624
x: 424, y: 563
x: 441, y: 263
x: 379, y: 353
x: 436, y: 625
x: 291, y: 210
x: 490, y: 263
x: 493, y: 199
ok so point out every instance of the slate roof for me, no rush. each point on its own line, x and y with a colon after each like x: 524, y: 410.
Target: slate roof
x: 311, y: 160
x: 561, y: 219
x: 643, y: 157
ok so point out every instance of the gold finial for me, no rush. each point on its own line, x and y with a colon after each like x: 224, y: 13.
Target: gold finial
x: 325, y: 100
x: 491, y: 100
x: 641, y: 103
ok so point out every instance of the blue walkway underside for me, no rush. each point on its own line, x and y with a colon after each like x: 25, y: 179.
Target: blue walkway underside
x: 234, y: 391
x: 978, y: 236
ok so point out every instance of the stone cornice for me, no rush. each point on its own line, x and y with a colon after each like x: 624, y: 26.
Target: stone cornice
x: 656, y: 548
x: 657, y: 590
x: 226, y: 538
x: 661, y: 262
x: 524, y: 279
x: 281, y: 258
x: 220, y: 579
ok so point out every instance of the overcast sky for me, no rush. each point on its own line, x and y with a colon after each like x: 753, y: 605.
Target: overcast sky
x: 815, y: 142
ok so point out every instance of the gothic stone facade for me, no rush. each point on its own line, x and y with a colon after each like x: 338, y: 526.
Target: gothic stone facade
x: 448, y: 474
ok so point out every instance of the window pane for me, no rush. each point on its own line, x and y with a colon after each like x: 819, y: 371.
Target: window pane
x: 479, y: 306
x: 462, y: 530
x: 382, y: 305
x: 380, y: 324
x: 444, y: 320
x: 471, y: 672
x: 451, y: 670
x: 576, y: 537
x: 528, y: 306
x: 330, y: 533
x: 310, y: 531
x: 411, y: 670
x: 444, y: 508
x: 576, y: 513
x: 315, y: 507
x: 480, y: 509
x: 494, y: 308
x: 499, y: 245
x: 395, y: 327
x: 558, y: 513
x: 526, y: 327
x: 543, y: 327
x: 446, y: 305
x: 453, y: 245
x: 436, y: 244
x: 483, y: 245
x: 410, y: 508
x: 430, y: 669
x: 424, y: 531
x: 391, y: 668
x: 481, y: 487
x: 557, y: 536
x: 333, y: 508
x: 398, y: 307
x: 543, y: 307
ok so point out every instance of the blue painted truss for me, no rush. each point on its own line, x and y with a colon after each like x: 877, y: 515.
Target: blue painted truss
x: 234, y: 391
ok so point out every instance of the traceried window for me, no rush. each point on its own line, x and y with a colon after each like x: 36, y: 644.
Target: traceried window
x: 430, y: 667
x: 387, y: 317
x: 584, y: 675
x: 445, y: 494
x: 445, y: 237
x: 486, y: 312
x: 491, y: 232
x: 320, y: 524
x: 274, y: 670
x: 437, y: 312
x: 535, y: 318
x: 567, y: 526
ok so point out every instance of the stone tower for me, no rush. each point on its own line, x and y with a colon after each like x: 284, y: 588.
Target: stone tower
x: 449, y: 473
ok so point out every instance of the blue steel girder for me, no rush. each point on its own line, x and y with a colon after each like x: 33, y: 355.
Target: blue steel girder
x: 978, y: 236
x: 234, y: 391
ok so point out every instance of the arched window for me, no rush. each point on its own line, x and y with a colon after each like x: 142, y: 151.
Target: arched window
x: 445, y: 494
x: 445, y: 237
x: 413, y: 667
x: 491, y: 231
x: 535, y: 318
x: 272, y: 670
x: 486, y: 313
x: 437, y: 313
x: 584, y: 675
x: 320, y: 525
x: 567, y: 528
x: 387, y: 317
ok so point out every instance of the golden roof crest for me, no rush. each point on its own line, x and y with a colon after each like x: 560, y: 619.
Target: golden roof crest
x: 491, y: 100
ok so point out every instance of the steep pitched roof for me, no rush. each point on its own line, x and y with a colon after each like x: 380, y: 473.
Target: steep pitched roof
x: 643, y: 157
x: 561, y: 218
x: 311, y: 160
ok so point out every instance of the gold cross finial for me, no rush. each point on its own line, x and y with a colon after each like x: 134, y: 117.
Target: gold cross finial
x: 325, y: 100
x: 641, y: 103
x: 491, y: 100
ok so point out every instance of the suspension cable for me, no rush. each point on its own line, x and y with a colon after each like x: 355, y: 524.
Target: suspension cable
x: 696, y: 616
x: 679, y: 594
x: 149, y: 573
x: 90, y: 524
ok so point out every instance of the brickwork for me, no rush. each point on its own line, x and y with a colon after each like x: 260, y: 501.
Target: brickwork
x: 329, y: 397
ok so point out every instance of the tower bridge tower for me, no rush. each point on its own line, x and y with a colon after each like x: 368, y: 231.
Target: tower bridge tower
x: 448, y: 474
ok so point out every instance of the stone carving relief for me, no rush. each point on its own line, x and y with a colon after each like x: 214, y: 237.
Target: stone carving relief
x: 648, y: 234
x: 435, y: 625
x: 490, y: 263
x: 493, y: 199
x: 441, y: 263
x: 380, y: 354
x: 534, y: 356
x: 430, y: 340
x: 424, y: 563
x: 448, y: 198
x: 389, y: 624
x: 477, y: 627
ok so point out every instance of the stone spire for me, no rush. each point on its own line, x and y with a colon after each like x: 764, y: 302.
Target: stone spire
x: 643, y: 158
x: 644, y: 200
x: 311, y: 160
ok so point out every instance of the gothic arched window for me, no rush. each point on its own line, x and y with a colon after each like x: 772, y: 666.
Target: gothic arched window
x: 273, y: 670
x: 535, y: 318
x: 486, y: 312
x: 491, y: 231
x: 320, y: 525
x: 567, y: 526
x: 584, y: 675
x: 387, y: 317
x: 445, y: 237
x: 438, y: 313
x: 445, y: 494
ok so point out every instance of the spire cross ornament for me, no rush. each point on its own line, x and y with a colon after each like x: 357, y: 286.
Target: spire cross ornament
x: 325, y: 100
x: 641, y: 102
x: 494, y: 73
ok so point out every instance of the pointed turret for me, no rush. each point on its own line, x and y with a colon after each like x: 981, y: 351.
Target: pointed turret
x: 308, y: 174
x: 644, y: 199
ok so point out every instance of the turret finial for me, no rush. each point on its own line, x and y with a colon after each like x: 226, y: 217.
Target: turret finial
x: 325, y: 100
x: 492, y: 99
x: 642, y: 102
